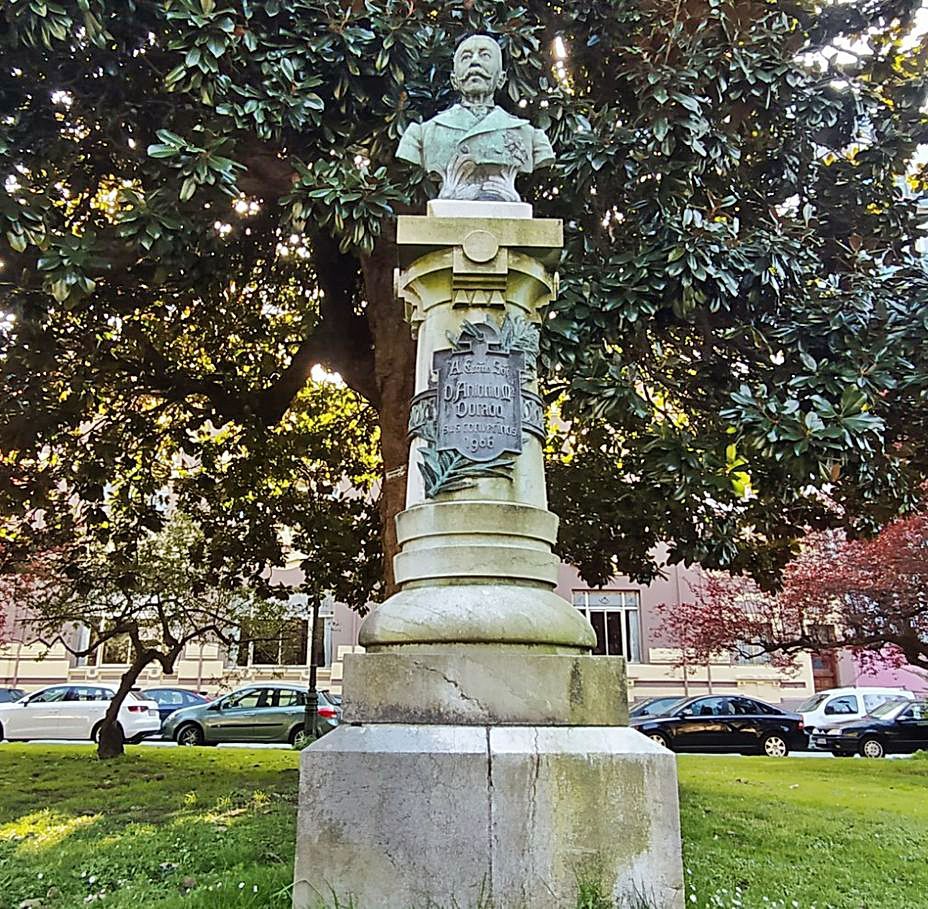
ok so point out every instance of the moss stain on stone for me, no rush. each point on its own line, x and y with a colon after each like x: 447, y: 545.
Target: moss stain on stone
x: 575, y: 695
x: 594, y: 804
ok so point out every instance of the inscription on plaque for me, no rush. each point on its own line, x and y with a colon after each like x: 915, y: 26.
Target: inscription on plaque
x: 479, y: 397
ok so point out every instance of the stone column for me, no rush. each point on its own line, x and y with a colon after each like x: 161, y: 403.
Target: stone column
x: 484, y: 759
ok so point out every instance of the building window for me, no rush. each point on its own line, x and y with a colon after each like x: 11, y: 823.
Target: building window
x: 265, y: 642
x: 823, y: 634
x: 751, y: 654
x: 616, y: 618
x: 115, y: 650
x: 81, y: 641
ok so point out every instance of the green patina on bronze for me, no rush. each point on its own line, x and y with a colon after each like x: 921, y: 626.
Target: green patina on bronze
x: 475, y: 147
x: 448, y: 470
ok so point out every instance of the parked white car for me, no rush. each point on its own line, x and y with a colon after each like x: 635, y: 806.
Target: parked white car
x: 840, y: 704
x: 75, y: 712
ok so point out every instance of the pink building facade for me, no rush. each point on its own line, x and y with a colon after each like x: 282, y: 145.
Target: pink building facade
x: 853, y: 672
x: 624, y: 614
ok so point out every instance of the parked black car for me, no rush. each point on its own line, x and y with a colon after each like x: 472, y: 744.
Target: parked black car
x: 726, y: 723
x: 654, y: 706
x: 171, y: 699
x: 896, y: 727
x: 9, y: 695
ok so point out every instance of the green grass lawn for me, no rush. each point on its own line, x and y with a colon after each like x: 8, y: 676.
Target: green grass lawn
x: 210, y: 829
x: 167, y: 828
x: 844, y: 834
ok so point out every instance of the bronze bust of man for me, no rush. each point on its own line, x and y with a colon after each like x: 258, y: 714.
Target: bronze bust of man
x: 475, y: 147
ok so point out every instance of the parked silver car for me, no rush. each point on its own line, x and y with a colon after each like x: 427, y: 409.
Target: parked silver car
x: 271, y: 712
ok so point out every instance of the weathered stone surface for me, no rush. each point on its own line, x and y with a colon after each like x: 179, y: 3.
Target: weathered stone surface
x: 598, y: 805
x: 385, y: 810
x: 409, y: 817
x: 417, y: 233
x: 477, y: 686
x: 476, y: 561
x: 419, y: 525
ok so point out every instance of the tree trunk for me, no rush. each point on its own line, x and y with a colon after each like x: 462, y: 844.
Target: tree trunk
x: 111, y: 740
x: 395, y: 373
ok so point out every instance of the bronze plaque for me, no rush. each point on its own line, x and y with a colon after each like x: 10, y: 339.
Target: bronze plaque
x: 479, y: 397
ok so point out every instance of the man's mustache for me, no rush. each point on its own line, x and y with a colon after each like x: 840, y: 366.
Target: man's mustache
x: 477, y: 70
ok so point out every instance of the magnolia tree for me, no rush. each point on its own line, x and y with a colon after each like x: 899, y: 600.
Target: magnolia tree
x: 198, y: 202
x: 867, y: 595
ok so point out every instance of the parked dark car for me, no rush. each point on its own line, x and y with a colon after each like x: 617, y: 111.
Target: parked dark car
x: 9, y: 695
x: 726, y: 723
x: 654, y: 706
x: 896, y: 727
x: 271, y: 712
x: 171, y: 699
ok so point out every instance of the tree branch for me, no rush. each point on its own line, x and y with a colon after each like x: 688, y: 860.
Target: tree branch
x: 165, y: 377
x: 341, y: 341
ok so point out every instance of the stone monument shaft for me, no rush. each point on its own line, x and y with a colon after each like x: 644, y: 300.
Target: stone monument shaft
x: 476, y: 568
x: 476, y: 502
x: 483, y: 761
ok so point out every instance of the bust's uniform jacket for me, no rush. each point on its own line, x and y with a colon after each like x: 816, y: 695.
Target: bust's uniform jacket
x: 499, y: 138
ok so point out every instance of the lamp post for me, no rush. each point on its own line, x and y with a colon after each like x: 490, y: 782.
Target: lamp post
x: 311, y: 718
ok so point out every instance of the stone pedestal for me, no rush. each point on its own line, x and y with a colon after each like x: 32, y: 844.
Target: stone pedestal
x: 473, y: 817
x: 483, y: 761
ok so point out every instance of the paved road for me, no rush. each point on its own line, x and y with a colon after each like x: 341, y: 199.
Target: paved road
x: 154, y: 743
x: 159, y: 743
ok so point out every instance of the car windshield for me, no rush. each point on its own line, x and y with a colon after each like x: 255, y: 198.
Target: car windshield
x: 889, y: 709
x: 672, y: 707
x: 658, y: 705
x: 812, y: 702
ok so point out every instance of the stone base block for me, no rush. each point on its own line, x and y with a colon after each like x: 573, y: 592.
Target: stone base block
x: 483, y: 686
x: 469, y: 817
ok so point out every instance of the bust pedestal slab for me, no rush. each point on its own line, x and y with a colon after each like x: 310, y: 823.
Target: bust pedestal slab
x: 483, y: 760
x: 402, y: 816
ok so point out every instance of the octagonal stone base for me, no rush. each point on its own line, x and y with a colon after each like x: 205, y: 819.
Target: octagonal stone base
x: 480, y: 686
x: 409, y: 817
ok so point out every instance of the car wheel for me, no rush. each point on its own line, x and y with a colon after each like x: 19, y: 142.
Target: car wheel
x: 189, y: 735
x: 872, y: 748
x: 775, y: 746
x: 95, y: 734
x: 299, y: 738
x: 660, y: 738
